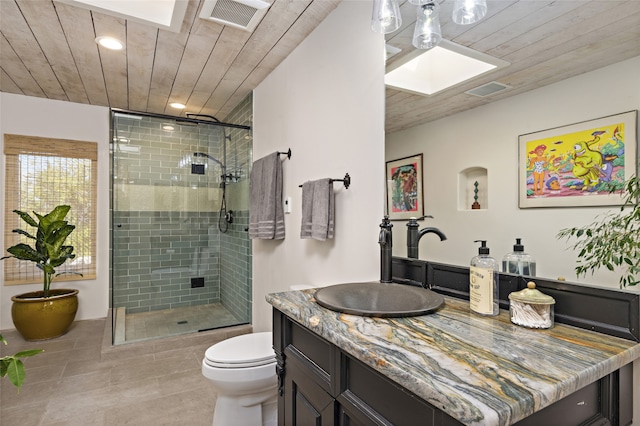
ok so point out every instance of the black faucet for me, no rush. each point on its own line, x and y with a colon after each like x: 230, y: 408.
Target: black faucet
x: 386, y: 243
x: 413, y: 235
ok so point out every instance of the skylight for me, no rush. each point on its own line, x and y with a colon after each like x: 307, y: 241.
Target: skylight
x: 432, y: 71
x: 164, y: 14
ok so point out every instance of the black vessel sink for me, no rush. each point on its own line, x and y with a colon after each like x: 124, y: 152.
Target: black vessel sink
x: 376, y: 299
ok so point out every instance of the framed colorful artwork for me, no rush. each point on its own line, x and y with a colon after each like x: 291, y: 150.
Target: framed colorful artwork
x: 578, y: 164
x: 404, y: 188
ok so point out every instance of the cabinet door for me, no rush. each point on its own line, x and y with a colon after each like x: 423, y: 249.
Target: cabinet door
x: 306, y: 403
x: 370, y: 399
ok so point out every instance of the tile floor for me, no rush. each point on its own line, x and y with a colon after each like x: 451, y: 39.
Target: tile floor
x: 82, y: 380
x: 172, y: 322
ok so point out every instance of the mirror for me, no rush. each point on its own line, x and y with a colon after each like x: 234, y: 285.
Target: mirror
x: 555, y: 80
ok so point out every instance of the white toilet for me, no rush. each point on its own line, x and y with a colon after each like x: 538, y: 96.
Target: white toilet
x: 243, y: 371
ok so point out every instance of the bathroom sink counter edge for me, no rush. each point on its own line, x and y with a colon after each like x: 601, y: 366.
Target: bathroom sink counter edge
x: 478, y: 370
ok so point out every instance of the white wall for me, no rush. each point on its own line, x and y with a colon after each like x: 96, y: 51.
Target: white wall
x: 326, y: 103
x: 487, y: 137
x: 25, y: 115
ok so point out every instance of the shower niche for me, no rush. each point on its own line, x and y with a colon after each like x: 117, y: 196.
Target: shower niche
x: 178, y: 264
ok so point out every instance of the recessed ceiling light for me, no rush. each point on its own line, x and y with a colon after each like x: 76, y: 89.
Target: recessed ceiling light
x: 432, y: 71
x: 177, y: 105
x: 109, y: 43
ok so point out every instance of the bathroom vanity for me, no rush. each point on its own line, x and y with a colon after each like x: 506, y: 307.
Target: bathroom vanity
x: 450, y: 367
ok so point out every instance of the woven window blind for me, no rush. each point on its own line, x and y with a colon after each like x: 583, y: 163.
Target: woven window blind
x: 42, y: 173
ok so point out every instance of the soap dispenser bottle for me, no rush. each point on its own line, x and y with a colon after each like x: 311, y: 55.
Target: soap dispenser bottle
x: 483, y: 282
x: 519, y: 262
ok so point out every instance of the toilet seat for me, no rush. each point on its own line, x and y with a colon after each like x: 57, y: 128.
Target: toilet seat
x: 247, y: 350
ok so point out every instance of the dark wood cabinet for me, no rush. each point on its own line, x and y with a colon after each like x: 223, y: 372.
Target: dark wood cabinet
x: 321, y: 385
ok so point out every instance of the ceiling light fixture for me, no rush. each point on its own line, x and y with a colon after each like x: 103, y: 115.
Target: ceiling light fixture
x: 385, y: 17
x: 427, y: 33
x: 467, y: 12
x: 177, y: 105
x: 109, y: 43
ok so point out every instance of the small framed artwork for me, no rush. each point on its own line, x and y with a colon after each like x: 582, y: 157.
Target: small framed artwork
x: 578, y: 164
x: 404, y: 188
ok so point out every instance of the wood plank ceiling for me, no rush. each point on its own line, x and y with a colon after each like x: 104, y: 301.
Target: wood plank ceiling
x: 48, y: 50
x: 545, y: 41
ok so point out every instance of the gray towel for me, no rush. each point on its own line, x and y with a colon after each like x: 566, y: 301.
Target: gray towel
x: 266, y: 213
x: 317, y: 210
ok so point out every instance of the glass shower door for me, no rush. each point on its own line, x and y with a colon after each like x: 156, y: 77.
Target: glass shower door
x: 180, y: 252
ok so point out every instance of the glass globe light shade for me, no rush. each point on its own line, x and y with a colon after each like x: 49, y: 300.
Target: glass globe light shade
x: 386, y: 16
x: 467, y: 12
x: 427, y: 33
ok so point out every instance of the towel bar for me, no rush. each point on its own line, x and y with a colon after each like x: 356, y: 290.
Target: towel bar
x: 346, y: 181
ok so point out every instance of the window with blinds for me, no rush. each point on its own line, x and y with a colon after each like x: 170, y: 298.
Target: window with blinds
x: 42, y: 173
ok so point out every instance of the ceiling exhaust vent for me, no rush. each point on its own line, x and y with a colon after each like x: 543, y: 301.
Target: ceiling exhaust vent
x: 488, y: 89
x: 243, y: 14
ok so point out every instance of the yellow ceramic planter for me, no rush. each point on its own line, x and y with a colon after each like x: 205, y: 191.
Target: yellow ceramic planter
x: 39, y: 318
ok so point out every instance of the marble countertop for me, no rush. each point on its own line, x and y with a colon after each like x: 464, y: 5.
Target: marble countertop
x: 479, y: 370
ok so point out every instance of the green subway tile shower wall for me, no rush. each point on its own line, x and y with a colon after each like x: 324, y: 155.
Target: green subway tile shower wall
x: 171, y: 245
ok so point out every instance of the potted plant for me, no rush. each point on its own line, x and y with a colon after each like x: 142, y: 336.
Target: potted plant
x: 612, y: 241
x: 11, y: 366
x: 47, y: 313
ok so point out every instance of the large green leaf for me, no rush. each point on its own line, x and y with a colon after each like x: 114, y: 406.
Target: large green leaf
x: 57, y: 238
x: 25, y: 252
x: 58, y: 213
x: 25, y: 216
x: 28, y: 352
x: 43, y: 221
x: 65, y: 254
x: 53, y: 228
x: 40, y: 248
x: 25, y: 233
x: 15, y: 372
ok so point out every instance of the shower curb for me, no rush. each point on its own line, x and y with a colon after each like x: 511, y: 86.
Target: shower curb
x: 203, y: 339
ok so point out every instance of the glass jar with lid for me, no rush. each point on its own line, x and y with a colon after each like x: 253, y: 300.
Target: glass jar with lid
x: 531, y: 308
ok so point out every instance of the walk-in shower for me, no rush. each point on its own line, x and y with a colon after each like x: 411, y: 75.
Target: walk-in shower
x: 181, y: 255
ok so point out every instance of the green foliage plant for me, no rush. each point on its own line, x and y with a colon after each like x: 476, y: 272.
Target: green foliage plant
x: 11, y: 366
x: 613, y: 240
x: 48, y: 251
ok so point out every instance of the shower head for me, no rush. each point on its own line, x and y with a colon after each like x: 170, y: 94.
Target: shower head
x: 194, y: 115
x: 205, y: 155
